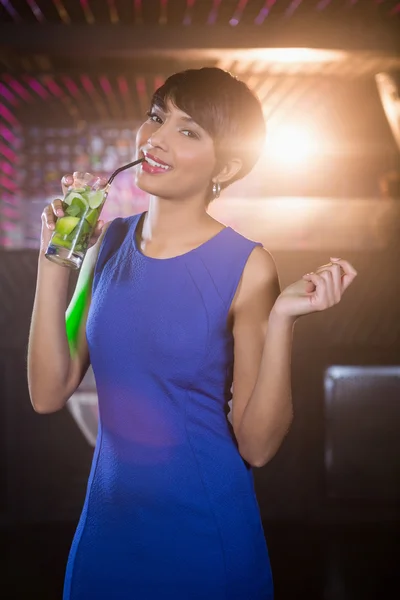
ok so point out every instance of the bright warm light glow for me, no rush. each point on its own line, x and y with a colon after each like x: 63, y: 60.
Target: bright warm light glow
x: 298, y: 55
x: 258, y: 59
x: 282, y: 56
x: 295, y: 207
x: 291, y: 145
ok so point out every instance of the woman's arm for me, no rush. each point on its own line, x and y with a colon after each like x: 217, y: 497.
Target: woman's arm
x: 262, y: 403
x: 58, y: 356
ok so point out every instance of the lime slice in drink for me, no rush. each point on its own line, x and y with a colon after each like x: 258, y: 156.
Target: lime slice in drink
x: 72, y: 210
x: 59, y: 241
x: 65, y: 225
x: 95, y: 198
x: 72, y: 195
x: 80, y: 203
x: 84, y: 228
x: 92, y: 216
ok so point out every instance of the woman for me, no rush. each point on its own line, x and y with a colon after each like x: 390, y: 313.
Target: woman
x: 172, y: 308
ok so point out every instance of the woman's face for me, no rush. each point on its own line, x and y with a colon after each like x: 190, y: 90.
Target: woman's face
x: 180, y: 155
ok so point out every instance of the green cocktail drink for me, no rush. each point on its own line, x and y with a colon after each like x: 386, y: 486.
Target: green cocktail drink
x: 82, y: 206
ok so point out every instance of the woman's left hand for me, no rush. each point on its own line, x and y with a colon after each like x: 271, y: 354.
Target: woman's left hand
x: 316, y: 291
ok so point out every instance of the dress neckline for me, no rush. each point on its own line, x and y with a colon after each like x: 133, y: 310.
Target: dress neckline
x: 171, y: 258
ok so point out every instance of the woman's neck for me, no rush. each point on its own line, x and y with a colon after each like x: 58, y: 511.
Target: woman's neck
x: 166, y: 219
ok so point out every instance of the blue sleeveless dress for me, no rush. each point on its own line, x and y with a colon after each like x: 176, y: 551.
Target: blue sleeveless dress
x: 170, y: 510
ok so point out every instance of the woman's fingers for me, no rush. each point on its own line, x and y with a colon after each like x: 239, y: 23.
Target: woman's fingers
x: 51, y: 212
x: 66, y: 182
x: 57, y: 207
x: 349, y: 272
x: 338, y: 275
x: 48, y: 217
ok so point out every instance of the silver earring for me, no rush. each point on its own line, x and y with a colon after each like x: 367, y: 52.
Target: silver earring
x: 216, y: 189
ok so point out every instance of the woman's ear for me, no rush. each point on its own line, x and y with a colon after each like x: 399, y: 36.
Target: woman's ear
x: 229, y: 170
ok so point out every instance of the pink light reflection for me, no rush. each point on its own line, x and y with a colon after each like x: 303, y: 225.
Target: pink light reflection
x: 10, y: 199
x: 212, y: 17
x: 7, y: 115
x: 38, y: 88
x: 294, y: 5
x: 105, y: 84
x: 187, y: 19
x: 36, y: 10
x: 264, y: 12
x: 87, y: 11
x: 88, y: 85
x: 8, y: 183
x: 18, y: 88
x: 123, y: 86
x: 54, y: 87
x: 7, y: 168
x: 8, y: 226
x: 9, y: 96
x: 11, y: 10
x: 72, y: 87
x: 10, y: 212
x: 235, y: 20
x: 158, y: 82
x: 8, y: 135
x: 7, y: 152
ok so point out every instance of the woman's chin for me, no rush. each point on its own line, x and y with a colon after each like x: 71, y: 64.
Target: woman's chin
x: 149, y: 187
x: 139, y: 183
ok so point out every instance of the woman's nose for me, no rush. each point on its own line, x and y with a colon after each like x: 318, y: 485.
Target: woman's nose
x: 158, y: 139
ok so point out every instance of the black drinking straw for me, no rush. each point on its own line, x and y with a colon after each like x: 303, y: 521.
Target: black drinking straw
x: 132, y: 164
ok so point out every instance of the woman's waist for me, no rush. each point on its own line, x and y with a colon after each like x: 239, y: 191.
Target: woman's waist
x: 162, y: 422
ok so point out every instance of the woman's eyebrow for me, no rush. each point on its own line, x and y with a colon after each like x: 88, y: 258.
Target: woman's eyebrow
x: 185, y: 118
x: 188, y: 120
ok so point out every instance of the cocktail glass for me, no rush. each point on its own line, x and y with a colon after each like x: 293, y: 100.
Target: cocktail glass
x: 82, y: 206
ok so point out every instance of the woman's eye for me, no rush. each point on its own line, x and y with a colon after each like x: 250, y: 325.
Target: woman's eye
x: 190, y: 134
x: 154, y: 117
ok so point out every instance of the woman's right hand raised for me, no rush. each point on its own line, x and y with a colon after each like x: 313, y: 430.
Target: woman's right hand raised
x: 53, y: 211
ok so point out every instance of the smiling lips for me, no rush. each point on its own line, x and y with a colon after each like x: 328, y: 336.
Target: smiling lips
x: 156, y: 164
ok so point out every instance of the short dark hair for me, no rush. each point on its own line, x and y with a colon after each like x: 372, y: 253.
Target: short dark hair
x: 223, y: 106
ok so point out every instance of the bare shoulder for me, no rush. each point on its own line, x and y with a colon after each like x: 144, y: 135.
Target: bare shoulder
x: 260, y: 265
x: 259, y: 281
